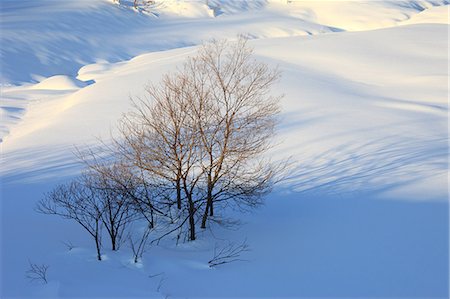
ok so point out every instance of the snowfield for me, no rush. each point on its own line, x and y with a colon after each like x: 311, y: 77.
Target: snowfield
x: 365, y: 212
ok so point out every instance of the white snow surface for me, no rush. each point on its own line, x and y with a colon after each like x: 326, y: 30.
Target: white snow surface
x: 365, y: 118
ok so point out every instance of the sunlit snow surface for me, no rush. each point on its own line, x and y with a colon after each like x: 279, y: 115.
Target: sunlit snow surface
x: 365, y: 116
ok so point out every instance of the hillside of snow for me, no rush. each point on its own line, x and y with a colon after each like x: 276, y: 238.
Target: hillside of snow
x: 365, y: 211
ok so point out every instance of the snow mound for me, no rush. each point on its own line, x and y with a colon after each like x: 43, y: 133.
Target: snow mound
x: 190, y: 9
x: 60, y: 82
x: 229, y: 7
x: 72, y: 33
x: 433, y: 15
x: 93, y: 71
x: 360, y: 15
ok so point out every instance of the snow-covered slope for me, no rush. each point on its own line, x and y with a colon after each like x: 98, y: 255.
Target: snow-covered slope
x: 365, y: 116
x: 433, y: 15
x: 47, y: 37
x: 73, y: 33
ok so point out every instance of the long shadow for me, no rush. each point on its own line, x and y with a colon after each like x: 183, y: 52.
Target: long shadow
x: 340, y: 239
x: 351, y: 245
x: 374, y: 166
x: 35, y: 165
x: 324, y: 233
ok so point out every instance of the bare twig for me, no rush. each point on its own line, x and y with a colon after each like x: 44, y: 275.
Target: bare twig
x: 69, y: 245
x: 138, y: 246
x: 37, y: 272
x: 228, y: 254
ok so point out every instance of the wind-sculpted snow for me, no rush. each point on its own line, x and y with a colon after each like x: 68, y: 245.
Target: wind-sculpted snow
x: 364, y: 212
x: 47, y: 37
x: 43, y: 38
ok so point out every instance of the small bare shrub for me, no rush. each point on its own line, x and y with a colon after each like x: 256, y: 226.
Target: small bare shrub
x: 37, y: 272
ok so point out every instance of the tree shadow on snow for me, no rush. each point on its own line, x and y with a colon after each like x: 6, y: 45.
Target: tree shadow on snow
x: 336, y: 231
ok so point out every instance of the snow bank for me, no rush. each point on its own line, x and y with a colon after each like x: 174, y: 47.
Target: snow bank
x: 60, y: 83
x: 358, y: 15
x: 70, y: 34
x: 433, y: 15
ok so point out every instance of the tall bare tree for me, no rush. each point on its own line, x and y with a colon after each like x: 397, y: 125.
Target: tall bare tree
x: 159, y: 139
x: 199, y: 134
x: 235, y: 116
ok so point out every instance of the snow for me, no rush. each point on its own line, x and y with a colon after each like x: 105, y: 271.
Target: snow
x: 365, y: 118
x: 433, y: 15
x: 60, y: 82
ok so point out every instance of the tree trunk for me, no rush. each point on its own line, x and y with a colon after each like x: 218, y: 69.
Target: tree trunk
x: 211, y: 209
x: 97, y: 240
x: 178, y: 194
x: 113, y: 237
x: 205, y: 215
x: 152, y: 223
x: 191, y: 219
x: 97, y: 244
x: 208, y: 208
x: 209, y: 202
x: 113, y: 243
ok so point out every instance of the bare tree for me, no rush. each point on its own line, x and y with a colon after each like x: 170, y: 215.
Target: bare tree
x: 37, y: 272
x: 235, y: 116
x: 78, y: 202
x: 198, y: 136
x: 159, y: 139
x: 156, y: 134
x: 115, y: 188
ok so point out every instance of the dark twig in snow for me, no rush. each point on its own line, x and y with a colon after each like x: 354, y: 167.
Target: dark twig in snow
x: 229, y: 253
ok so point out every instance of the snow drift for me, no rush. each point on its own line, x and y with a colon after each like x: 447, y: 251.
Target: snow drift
x: 365, y: 115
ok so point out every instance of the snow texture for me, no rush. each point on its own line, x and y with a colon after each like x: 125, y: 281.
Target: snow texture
x: 365, y: 116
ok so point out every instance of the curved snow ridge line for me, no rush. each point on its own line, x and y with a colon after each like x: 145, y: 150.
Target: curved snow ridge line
x: 60, y: 82
x: 63, y: 40
x: 16, y: 99
x: 75, y: 33
x: 413, y: 106
x: 191, y: 8
x: 102, y: 70
x: 432, y: 15
x: 303, y: 9
x: 59, y: 92
x: 368, y: 15
x: 341, y: 15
